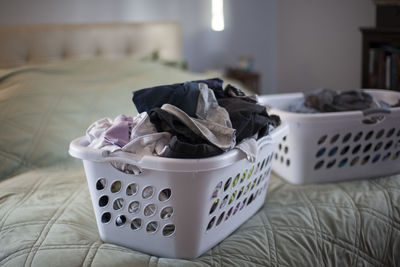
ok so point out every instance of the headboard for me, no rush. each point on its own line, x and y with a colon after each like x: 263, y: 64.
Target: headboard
x: 24, y: 44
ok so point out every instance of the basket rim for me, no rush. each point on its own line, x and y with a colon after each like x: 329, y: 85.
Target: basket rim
x: 78, y: 149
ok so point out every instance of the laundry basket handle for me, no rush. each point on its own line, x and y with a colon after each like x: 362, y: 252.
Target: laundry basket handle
x: 78, y: 148
x: 371, y: 111
x: 375, y: 115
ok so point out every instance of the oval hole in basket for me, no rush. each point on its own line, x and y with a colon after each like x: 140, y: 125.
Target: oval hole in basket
x: 354, y: 161
x: 211, y: 223
x: 398, y: 133
x: 396, y: 155
x: 224, y: 202
x: 164, y: 194
x: 342, y: 163
x: 131, y: 189
x: 116, y: 187
x: 322, y: 139
x: 216, y: 190
x: 320, y: 152
x: 152, y: 227
x: 318, y: 165
x: 236, y: 180
x: 253, y: 185
x: 388, y: 145
x: 346, y: 137
x: 330, y: 164
x: 236, y: 208
x: 378, y: 146
x: 103, y: 201
x: 150, y: 210
x: 134, y: 207
x: 251, y: 170
x: 365, y: 159
x: 247, y: 189
x: 240, y: 192
x: 334, y: 138
x: 390, y: 132
x: 233, y: 197
x: 367, y: 147
x: 344, y: 150
x: 118, y: 204
x: 357, y: 136
x: 288, y: 162
x: 356, y: 149
x: 120, y: 220
x: 105, y: 217
x: 166, y: 213
x: 242, y: 205
x: 369, y: 135
x: 214, y: 205
x: 380, y: 134
x: 387, y: 156
x: 333, y: 151
x: 101, y: 184
x: 220, y: 218
x: 376, y: 158
x: 136, y: 224
x: 251, y: 198
x: 229, y: 213
x: 168, y: 230
x: 227, y: 184
x: 148, y: 192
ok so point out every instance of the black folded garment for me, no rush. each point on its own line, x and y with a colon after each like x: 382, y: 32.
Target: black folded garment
x: 184, y: 143
x: 181, y: 95
x: 248, y: 118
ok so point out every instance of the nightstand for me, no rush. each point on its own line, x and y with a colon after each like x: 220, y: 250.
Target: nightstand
x: 249, y: 79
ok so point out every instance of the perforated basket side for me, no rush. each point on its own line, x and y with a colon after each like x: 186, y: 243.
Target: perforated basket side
x: 330, y: 147
x: 177, y: 213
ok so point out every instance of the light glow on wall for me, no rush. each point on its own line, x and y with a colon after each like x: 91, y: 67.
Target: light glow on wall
x: 217, y: 15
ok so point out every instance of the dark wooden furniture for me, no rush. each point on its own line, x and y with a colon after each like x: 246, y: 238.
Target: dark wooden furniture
x: 249, y: 79
x: 384, y: 42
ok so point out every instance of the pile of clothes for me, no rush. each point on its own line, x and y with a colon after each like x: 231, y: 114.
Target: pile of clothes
x: 327, y: 100
x: 194, y: 119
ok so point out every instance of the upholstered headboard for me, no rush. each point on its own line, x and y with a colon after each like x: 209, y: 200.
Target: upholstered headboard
x: 23, y: 44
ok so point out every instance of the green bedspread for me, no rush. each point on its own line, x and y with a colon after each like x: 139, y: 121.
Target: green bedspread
x: 46, y: 216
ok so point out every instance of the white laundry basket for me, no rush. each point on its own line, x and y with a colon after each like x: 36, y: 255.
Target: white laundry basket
x: 329, y: 147
x: 176, y: 208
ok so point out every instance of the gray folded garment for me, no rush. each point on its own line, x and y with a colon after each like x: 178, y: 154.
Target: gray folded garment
x: 326, y: 100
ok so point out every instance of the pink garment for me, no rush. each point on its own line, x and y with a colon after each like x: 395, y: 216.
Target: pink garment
x: 119, y: 133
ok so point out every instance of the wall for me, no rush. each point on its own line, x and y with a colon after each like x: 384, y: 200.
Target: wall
x: 299, y: 45
x: 203, y: 48
x: 319, y: 43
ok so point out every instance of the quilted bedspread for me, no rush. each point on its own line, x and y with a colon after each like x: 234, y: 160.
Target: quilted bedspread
x: 46, y: 216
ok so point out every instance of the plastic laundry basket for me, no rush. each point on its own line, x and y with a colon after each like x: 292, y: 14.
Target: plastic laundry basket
x: 329, y: 147
x: 176, y: 208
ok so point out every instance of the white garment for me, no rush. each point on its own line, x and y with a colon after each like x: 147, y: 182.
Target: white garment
x: 217, y: 134
x: 208, y: 108
x: 249, y: 147
x: 95, y: 132
x: 144, y: 140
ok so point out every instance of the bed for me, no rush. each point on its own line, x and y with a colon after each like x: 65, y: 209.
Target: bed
x: 57, y: 79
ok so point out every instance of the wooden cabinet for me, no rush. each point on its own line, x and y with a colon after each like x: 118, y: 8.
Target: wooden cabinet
x: 249, y: 79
